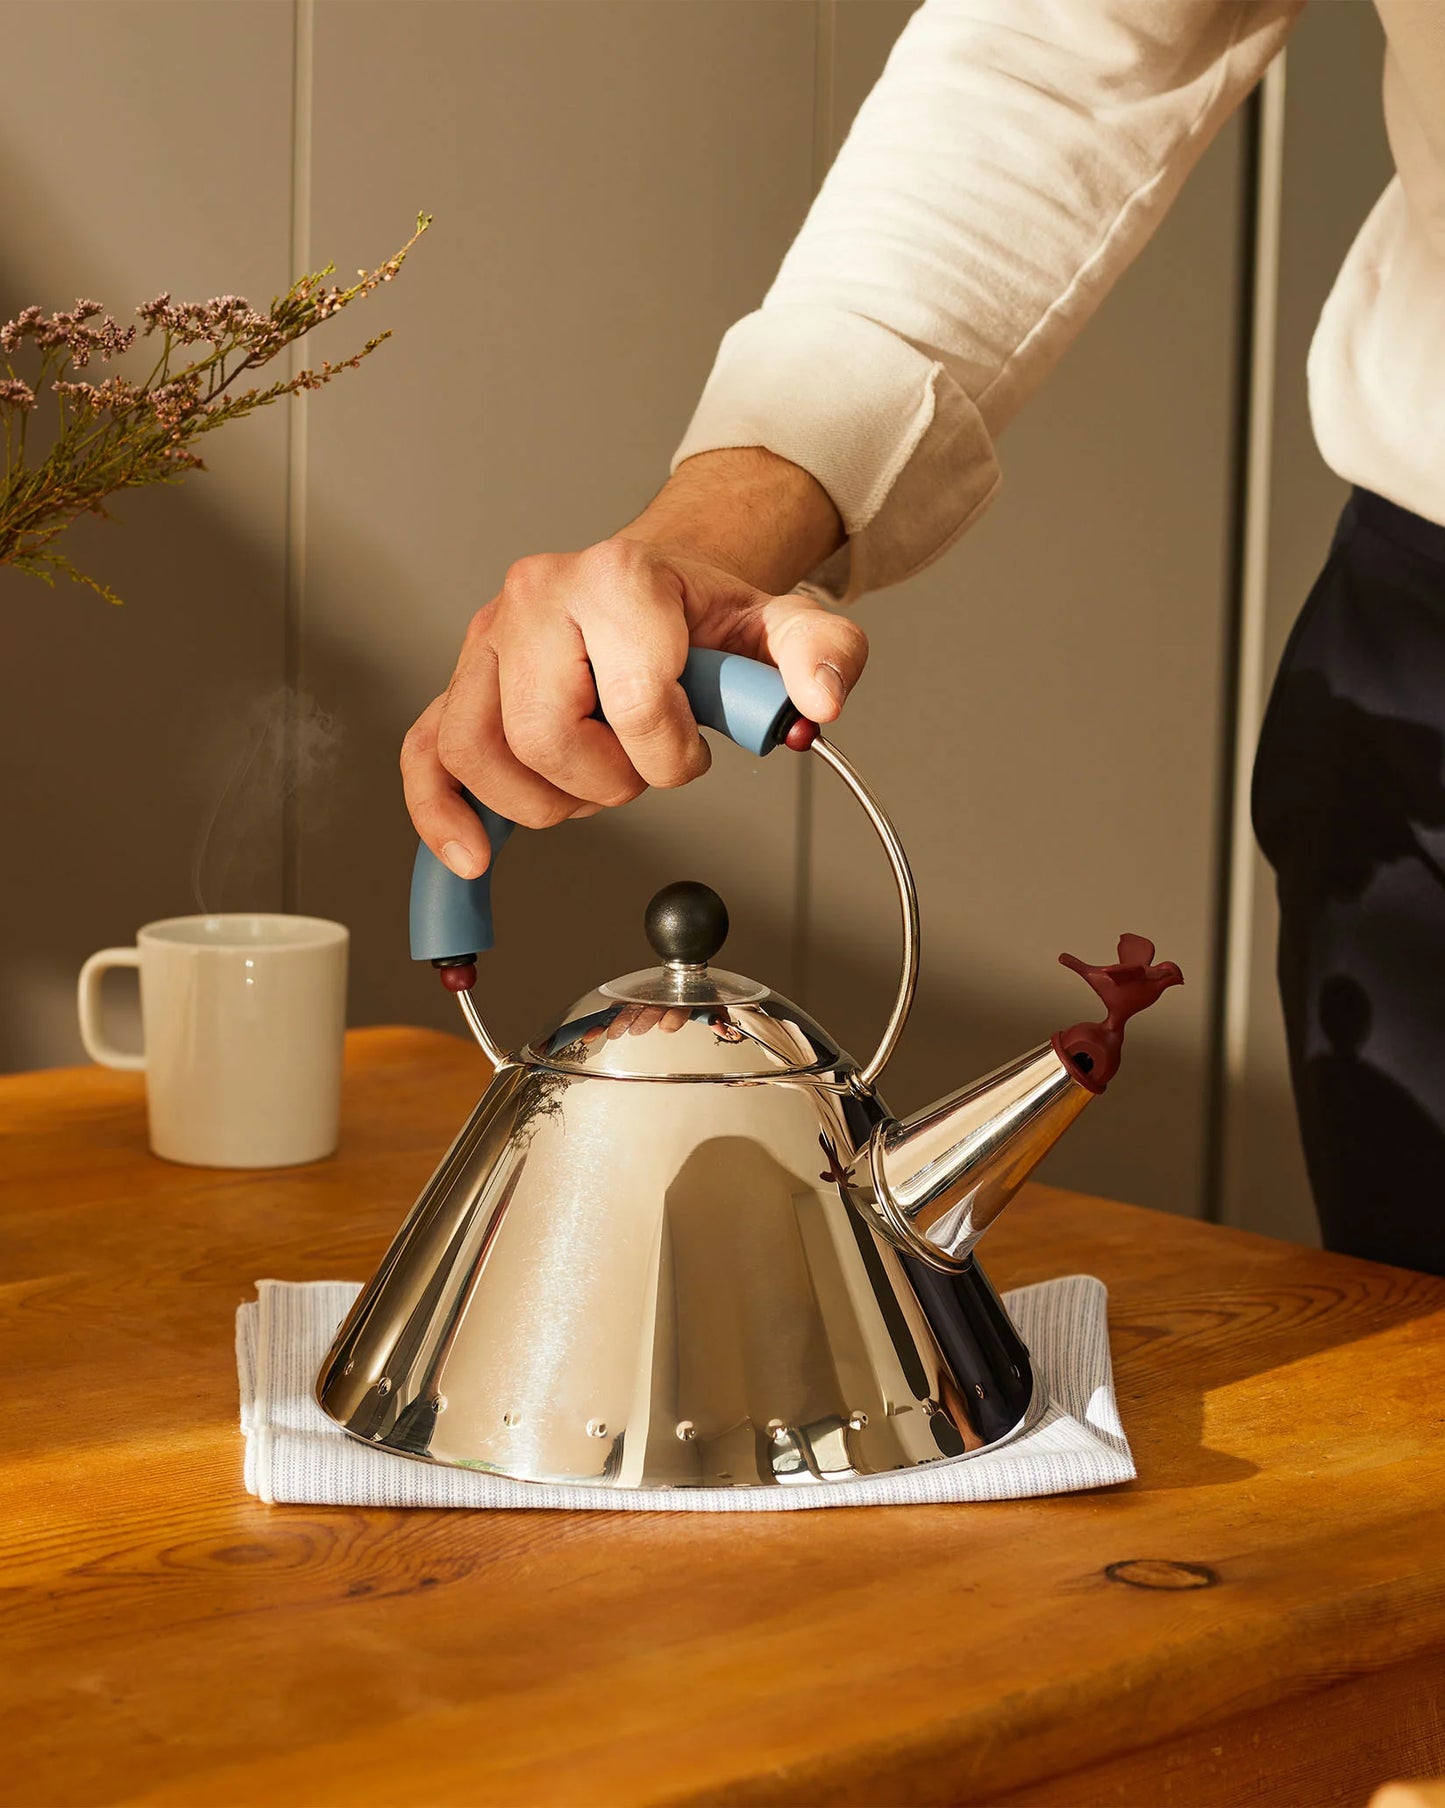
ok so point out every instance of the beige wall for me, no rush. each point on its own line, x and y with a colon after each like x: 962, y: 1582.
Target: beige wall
x: 613, y: 182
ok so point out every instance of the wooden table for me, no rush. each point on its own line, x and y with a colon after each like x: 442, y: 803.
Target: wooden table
x: 1280, y: 1636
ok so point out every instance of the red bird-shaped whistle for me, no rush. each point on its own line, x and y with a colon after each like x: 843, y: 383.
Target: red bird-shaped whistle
x: 1130, y: 985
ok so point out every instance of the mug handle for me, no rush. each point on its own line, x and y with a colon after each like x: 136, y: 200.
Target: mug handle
x: 88, y: 1003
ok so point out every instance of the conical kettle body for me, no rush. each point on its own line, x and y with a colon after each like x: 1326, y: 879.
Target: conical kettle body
x: 644, y: 1284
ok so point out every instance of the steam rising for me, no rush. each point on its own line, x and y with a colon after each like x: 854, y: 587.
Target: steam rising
x: 279, y: 745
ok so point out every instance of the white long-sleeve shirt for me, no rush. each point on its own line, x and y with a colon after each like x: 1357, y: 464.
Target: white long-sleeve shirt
x: 1012, y: 160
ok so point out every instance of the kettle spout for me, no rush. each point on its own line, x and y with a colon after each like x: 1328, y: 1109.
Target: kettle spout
x: 934, y: 1182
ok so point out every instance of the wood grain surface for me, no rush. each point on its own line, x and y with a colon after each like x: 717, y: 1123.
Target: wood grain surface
x: 1273, y: 1629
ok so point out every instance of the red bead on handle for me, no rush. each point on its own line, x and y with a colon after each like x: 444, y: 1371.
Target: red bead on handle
x: 459, y: 978
x: 801, y: 736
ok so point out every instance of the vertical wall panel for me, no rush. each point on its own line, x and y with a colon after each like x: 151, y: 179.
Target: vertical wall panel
x: 1336, y: 161
x: 613, y: 184
x: 144, y: 147
x: 1041, y: 713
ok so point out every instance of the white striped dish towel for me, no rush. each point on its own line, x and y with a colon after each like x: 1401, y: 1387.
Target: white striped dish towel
x: 294, y: 1454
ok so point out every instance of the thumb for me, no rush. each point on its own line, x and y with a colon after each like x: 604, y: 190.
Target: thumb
x: 820, y: 655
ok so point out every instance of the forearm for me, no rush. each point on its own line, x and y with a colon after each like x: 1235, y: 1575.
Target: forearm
x: 745, y: 511
x: 1013, y: 158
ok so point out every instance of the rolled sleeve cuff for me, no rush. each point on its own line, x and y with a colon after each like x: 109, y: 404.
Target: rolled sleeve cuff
x: 900, y: 448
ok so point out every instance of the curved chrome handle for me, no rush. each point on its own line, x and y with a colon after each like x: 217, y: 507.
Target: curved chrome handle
x: 488, y: 1043
x: 907, y: 902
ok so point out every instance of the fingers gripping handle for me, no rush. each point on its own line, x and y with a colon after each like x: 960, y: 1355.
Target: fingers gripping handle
x: 740, y: 698
x: 451, y: 918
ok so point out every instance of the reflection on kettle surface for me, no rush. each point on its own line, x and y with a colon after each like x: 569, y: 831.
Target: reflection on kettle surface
x: 771, y: 1342
x: 660, y: 1297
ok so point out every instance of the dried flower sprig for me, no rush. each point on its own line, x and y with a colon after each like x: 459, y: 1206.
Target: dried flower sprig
x: 121, y: 434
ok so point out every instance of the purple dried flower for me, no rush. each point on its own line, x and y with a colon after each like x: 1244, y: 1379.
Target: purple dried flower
x: 108, y: 339
x: 150, y: 433
x: 54, y: 330
x: 85, y: 393
x: 21, y: 327
x: 118, y: 395
x: 173, y: 401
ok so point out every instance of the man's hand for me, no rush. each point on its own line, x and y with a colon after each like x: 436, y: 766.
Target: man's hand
x: 703, y: 565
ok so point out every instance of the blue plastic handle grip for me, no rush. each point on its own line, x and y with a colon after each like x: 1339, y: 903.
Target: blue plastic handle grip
x: 746, y: 701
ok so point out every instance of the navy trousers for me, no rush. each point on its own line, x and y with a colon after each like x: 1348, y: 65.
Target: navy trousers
x: 1349, y: 808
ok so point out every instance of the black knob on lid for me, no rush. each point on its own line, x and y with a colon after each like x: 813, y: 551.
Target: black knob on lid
x: 687, y: 922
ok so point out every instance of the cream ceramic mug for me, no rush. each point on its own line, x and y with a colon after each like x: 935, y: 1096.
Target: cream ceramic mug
x: 243, y: 1018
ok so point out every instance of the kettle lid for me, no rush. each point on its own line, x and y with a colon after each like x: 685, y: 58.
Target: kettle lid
x: 684, y: 1019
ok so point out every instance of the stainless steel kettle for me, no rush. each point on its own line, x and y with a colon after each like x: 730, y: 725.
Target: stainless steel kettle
x: 681, y: 1242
